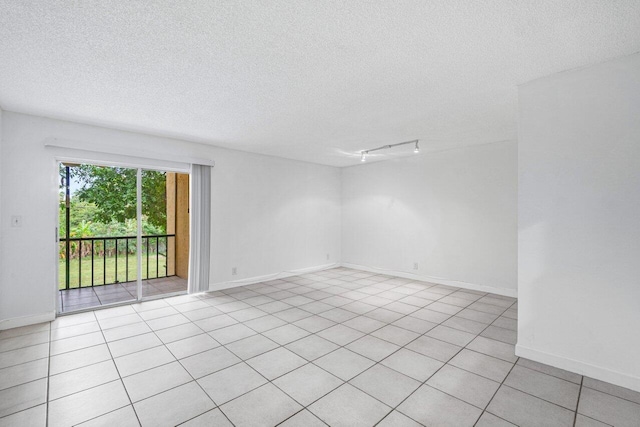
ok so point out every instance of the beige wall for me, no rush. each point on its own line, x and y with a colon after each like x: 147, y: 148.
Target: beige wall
x: 178, y: 223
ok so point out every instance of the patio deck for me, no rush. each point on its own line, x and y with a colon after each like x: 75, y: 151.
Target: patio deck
x: 81, y: 298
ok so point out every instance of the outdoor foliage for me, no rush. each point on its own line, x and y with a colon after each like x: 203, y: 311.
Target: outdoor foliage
x: 112, y: 191
x: 105, y: 205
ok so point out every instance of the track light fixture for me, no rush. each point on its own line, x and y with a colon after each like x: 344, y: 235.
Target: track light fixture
x: 363, y: 154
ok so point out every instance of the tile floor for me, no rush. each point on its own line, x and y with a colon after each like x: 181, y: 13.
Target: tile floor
x: 89, y: 297
x: 338, y: 347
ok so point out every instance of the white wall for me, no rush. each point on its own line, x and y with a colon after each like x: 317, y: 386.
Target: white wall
x: 453, y: 212
x: 269, y: 215
x: 1, y: 203
x: 27, y: 252
x: 579, y: 221
x: 272, y: 215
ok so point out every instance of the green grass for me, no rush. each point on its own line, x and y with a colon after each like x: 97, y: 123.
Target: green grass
x: 99, y: 269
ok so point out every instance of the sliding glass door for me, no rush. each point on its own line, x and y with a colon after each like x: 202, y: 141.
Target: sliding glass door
x: 165, y: 233
x: 97, y: 236
x: 123, y: 235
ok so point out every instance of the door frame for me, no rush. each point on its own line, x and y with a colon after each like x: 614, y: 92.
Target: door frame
x: 125, y: 163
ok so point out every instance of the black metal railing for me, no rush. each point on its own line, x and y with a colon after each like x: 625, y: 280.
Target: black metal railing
x: 114, y: 259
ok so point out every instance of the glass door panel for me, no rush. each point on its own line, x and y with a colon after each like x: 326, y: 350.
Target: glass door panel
x: 165, y: 233
x: 97, y: 259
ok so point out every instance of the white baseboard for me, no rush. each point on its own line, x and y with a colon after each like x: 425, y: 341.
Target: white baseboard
x: 581, y: 368
x: 257, y: 279
x: 472, y: 286
x: 16, y: 322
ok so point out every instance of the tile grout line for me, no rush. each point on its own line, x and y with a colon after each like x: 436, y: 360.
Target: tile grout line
x: 375, y: 362
x: 346, y: 290
x: 244, y: 361
x: 537, y: 397
x: 423, y: 383
x: 494, y: 395
x: 379, y: 362
x: 308, y: 362
x: 46, y: 422
x: 183, y: 367
x: 527, y: 393
x: 575, y: 415
x: 106, y: 343
x: 256, y: 306
x: 28, y: 361
x: 499, y: 387
x: 145, y: 370
x: 345, y: 321
x: 119, y: 375
x: 291, y: 323
x: 100, y: 308
x: 32, y: 381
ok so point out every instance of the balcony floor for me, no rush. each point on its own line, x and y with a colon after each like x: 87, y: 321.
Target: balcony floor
x: 82, y: 298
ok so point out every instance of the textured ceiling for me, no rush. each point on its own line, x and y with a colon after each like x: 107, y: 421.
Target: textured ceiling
x: 309, y: 80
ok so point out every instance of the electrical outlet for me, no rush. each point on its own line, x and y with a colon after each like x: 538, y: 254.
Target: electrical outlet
x: 415, y: 265
x: 234, y: 271
x: 16, y: 221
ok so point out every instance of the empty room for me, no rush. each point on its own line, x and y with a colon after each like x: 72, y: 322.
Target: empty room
x: 320, y: 213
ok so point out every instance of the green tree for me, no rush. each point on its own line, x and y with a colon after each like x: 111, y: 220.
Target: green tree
x: 112, y: 190
x: 80, y: 212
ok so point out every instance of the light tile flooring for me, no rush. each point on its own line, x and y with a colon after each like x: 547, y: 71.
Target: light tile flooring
x: 90, y: 297
x: 338, y: 347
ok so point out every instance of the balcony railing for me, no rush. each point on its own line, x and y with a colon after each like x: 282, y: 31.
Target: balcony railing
x: 108, y: 260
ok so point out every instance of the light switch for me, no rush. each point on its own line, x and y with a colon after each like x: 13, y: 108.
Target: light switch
x: 16, y: 221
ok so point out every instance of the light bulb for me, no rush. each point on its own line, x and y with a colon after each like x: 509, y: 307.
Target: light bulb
x: 417, y: 149
x: 363, y: 158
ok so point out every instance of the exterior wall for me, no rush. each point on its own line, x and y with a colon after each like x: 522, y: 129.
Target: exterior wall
x: 178, y: 223
x: 182, y: 226
x: 171, y: 221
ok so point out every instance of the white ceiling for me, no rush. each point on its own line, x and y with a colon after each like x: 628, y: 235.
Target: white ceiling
x: 309, y: 80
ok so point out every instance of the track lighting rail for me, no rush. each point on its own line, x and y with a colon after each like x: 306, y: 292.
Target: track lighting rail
x: 384, y: 147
